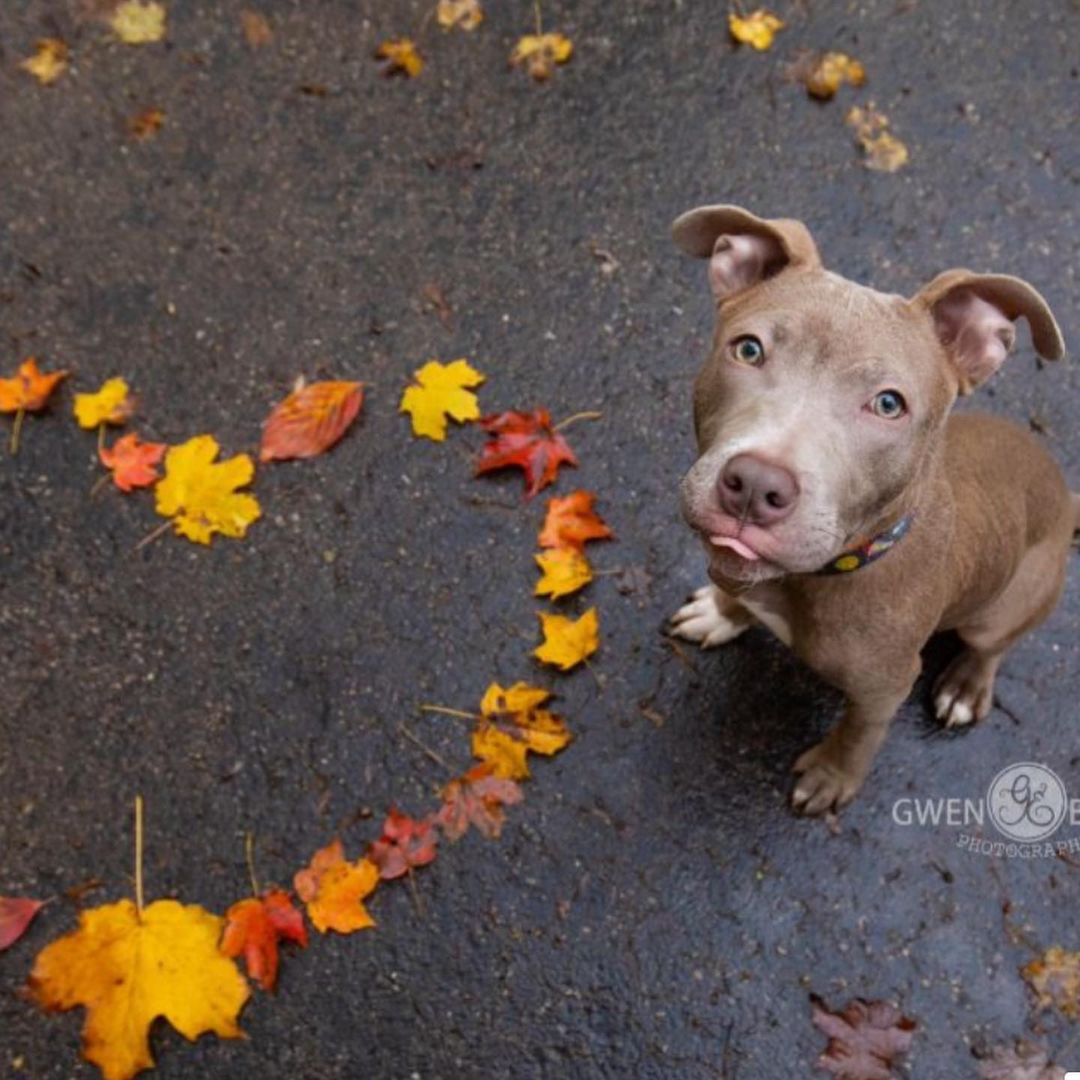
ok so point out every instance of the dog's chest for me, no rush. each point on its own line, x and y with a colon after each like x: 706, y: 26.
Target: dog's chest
x: 771, y: 607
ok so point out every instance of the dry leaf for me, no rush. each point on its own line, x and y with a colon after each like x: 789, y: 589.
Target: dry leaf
x: 884, y: 152
x: 133, y: 463
x: 16, y: 914
x: 823, y: 74
x: 477, y: 798
x: 257, y: 30
x: 564, y: 572
x: 527, y: 441
x: 137, y: 23
x: 756, y: 29
x: 539, y: 53
x: 333, y: 888
x: 518, y: 710
x: 865, y: 1040
x: 29, y: 389
x: 200, y: 494
x: 1055, y: 978
x: 310, y: 420
x: 1024, y: 1061
x: 571, y: 522
x: 464, y: 14
x: 146, y: 124
x: 443, y: 391
x: 568, y: 642
x: 399, y: 57
x: 502, y: 753
x: 128, y: 969
x: 49, y: 62
x: 253, y: 928
x: 405, y: 844
x: 111, y: 404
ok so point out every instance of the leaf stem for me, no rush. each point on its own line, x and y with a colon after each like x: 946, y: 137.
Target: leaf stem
x: 149, y: 537
x: 139, y: 856
x: 100, y: 437
x: 539, y: 19
x: 415, y: 893
x: 591, y: 414
x: 451, y: 712
x: 249, y: 856
x: 15, y: 429
x: 416, y: 741
x: 99, y: 484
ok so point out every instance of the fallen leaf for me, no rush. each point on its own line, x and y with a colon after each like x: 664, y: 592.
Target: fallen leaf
x: 568, y: 642
x: 443, y: 391
x: 477, y: 798
x: 310, y: 420
x: 518, y: 710
x: 756, y: 29
x: 128, y: 969
x: 16, y: 914
x: 884, y: 152
x: 527, y: 441
x: 865, y: 1040
x: 824, y: 73
x: 111, y: 404
x: 137, y: 23
x: 200, y: 495
x: 1055, y: 978
x: 539, y: 53
x: 29, y: 389
x: 132, y: 462
x: 333, y: 888
x: 564, y: 572
x: 502, y: 753
x: 146, y: 124
x: 257, y: 30
x: 404, y: 845
x: 253, y: 928
x: 518, y: 699
x: 436, y: 300
x: 399, y: 57
x: 464, y: 14
x: 49, y: 62
x: 1024, y: 1061
x: 571, y: 522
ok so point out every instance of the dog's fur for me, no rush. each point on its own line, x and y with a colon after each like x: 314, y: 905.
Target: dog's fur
x: 992, y: 517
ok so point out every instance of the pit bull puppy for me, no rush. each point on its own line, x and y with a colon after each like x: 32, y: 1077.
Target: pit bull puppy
x: 838, y: 502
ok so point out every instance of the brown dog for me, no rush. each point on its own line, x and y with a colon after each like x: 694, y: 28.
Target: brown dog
x: 839, y: 504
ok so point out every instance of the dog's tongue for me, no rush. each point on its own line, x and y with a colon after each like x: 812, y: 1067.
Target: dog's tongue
x: 736, y: 545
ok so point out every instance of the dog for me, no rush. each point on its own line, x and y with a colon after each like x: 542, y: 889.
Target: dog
x: 839, y: 503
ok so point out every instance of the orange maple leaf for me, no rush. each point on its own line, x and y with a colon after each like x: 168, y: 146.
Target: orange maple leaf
x: 476, y: 798
x: 28, y: 390
x: 399, y: 57
x: 527, y: 441
x: 333, y: 889
x: 310, y: 420
x: 132, y: 462
x: 571, y: 522
x: 254, y: 927
x: 404, y: 845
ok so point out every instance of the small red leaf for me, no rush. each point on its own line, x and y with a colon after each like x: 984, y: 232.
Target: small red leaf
x: 404, y: 845
x: 255, y: 926
x: 310, y: 420
x: 527, y: 441
x: 865, y: 1040
x: 16, y: 914
x: 133, y: 463
x: 477, y: 799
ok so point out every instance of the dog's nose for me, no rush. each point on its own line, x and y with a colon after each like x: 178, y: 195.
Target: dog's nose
x: 757, y: 491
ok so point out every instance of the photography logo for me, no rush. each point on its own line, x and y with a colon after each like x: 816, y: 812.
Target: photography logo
x: 1027, y: 802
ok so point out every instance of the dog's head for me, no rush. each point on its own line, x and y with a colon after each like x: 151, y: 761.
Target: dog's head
x: 823, y: 401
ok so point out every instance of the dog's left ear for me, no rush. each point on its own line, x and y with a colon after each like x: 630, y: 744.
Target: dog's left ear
x: 974, y: 314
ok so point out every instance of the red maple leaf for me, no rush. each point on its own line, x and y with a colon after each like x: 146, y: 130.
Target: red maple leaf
x: 255, y: 926
x: 132, y: 462
x: 16, y: 913
x: 404, y: 845
x: 477, y: 798
x: 527, y: 441
x: 864, y: 1040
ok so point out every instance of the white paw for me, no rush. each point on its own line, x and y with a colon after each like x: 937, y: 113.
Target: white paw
x: 953, y: 709
x: 702, y: 620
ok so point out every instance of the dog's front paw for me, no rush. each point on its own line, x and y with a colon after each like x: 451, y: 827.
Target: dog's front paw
x: 704, y: 620
x: 965, y: 692
x: 823, y: 783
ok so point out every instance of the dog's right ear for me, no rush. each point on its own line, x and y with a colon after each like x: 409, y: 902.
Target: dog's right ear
x: 742, y: 248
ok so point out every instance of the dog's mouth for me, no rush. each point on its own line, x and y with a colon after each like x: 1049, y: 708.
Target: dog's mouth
x: 740, y: 547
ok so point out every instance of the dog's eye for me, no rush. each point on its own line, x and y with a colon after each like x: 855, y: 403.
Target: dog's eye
x: 889, y: 405
x: 748, y: 350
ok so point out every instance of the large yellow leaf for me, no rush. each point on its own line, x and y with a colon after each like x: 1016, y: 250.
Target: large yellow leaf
x: 443, y: 391
x: 127, y: 971
x: 109, y: 405
x: 136, y: 23
x: 568, y: 641
x: 565, y: 571
x: 200, y: 495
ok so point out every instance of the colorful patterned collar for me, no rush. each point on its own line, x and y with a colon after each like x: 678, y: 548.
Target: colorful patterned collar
x: 869, y: 550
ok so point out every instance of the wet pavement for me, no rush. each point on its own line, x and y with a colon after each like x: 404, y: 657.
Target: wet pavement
x: 653, y: 908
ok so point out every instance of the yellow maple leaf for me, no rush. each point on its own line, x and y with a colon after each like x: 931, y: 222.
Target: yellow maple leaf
x: 200, y: 495
x: 519, y: 698
x: 466, y: 14
x: 443, y: 392
x: 539, y: 53
x: 505, y: 754
x: 400, y: 57
x: 565, y: 571
x: 128, y: 969
x: 825, y: 74
x: 756, y: 29
x: 49, y: 62
x: 568, y: 641
x: 137, y: 23
x: 333, y: 888
x: 884, y: 151
x: 109, y: 405
x: 518, y: 710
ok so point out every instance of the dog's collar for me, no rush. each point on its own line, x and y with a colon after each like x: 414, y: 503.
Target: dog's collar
x: 868, y: 551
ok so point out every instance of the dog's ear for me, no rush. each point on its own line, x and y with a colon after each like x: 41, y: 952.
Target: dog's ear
x: 743, y: 249
x: 973, y: 317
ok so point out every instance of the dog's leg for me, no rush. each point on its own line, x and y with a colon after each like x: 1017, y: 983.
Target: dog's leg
x: 710, y: 617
